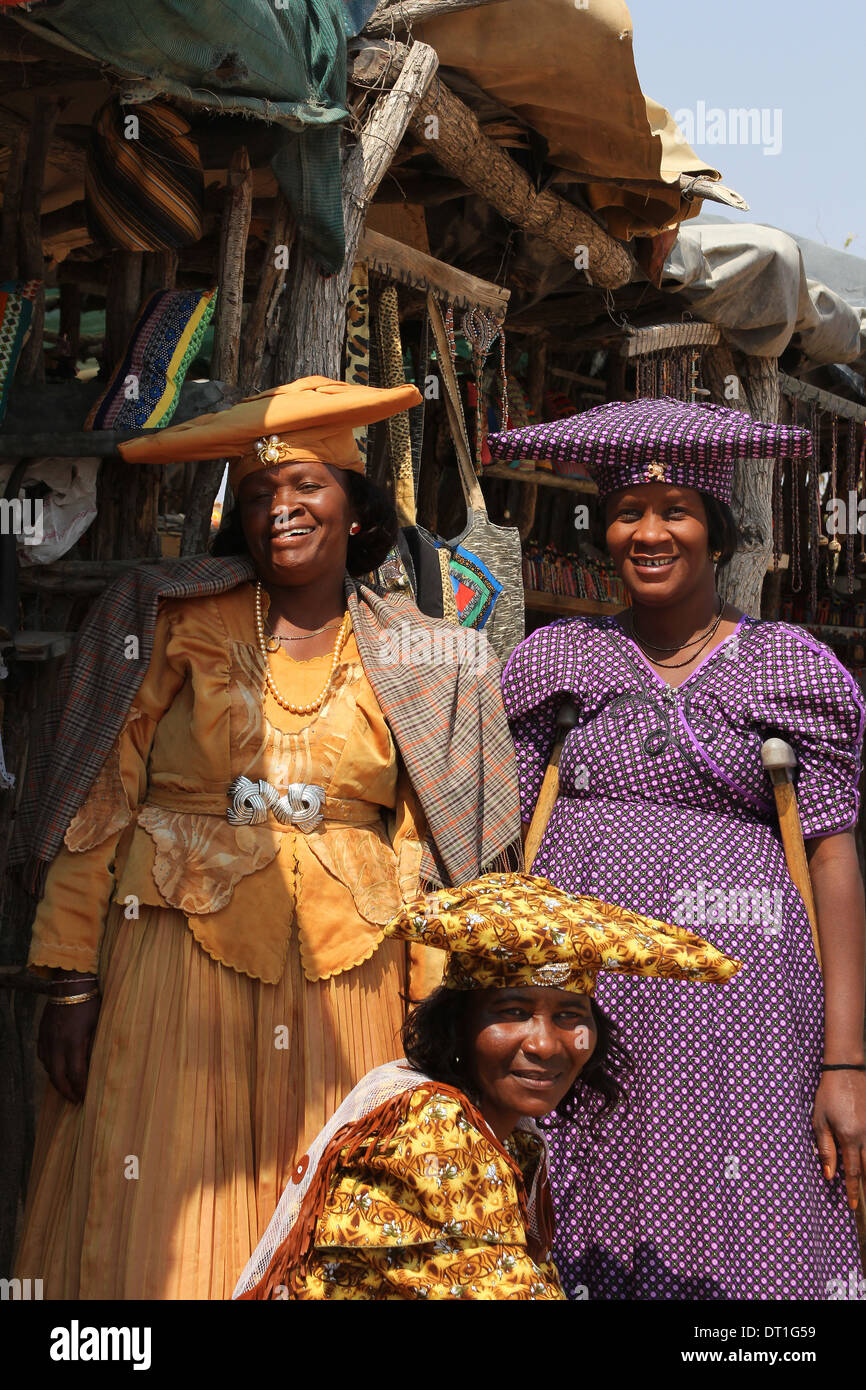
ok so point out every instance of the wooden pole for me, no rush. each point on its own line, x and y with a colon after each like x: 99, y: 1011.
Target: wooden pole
x: 750, y: 384
x: 450, y: 132
x: 70, y: 318
x: 392, y: 18
x: 780, y: 760
x: 565, y: 722
x: 536, y: 378
x: 227, y: 338
x: 314, y: 316
x: 258, y: 346
x: 12, y: 204
x: 31, y: 364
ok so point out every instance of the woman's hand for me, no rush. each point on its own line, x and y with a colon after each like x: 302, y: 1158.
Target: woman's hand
x: 66, y: 1038
x: 839, y: 1118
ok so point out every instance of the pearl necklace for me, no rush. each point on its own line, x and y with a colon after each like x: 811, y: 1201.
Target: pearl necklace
x: 285, y: 704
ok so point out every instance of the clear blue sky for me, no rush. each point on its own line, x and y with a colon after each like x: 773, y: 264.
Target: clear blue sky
x: 804, y: 58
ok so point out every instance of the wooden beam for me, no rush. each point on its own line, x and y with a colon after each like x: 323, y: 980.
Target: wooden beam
x: 825, y: 400
x: 396, y: 261
x: 663, y: 336
x: 314, y: 326
x: 449, y: 130
x: 538, y: 477
x: 539, y: 602
x: 399, y: 16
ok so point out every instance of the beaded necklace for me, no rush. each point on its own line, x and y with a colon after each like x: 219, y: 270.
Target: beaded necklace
x: 314, y: 705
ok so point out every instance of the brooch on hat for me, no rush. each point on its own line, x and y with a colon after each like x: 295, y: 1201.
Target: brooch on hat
x: 269, y: 450
x: 656, y: 473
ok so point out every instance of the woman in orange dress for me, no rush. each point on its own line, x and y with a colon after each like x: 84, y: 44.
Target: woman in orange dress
x: 217, y: 910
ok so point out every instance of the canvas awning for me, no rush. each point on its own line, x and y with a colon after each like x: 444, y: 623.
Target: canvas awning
x: 754, y: 282
x: 570, y: 73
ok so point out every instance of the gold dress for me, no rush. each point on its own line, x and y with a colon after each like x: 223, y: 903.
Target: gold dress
x: 420, y: 1201
x: 246, y: 986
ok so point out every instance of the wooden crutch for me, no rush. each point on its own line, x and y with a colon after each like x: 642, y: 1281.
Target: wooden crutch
x: 565, y: 722
x: 780, y: 760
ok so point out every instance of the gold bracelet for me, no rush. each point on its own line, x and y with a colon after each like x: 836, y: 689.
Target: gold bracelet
x: 72, y: 998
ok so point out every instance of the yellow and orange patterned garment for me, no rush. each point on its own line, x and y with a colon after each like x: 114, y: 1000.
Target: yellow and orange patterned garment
x: 419, y: 1201
x: 153, y: 830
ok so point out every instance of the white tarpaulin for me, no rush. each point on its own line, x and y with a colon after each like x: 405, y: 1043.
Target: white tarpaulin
x: 752, y: 281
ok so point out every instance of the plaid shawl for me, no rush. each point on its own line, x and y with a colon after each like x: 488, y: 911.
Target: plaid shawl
x: 444, y: 710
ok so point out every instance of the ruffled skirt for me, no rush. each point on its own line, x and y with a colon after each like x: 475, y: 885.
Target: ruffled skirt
x: 205, y: 1087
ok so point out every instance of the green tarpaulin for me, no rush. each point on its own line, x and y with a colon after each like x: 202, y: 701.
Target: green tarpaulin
x: 280, y: 60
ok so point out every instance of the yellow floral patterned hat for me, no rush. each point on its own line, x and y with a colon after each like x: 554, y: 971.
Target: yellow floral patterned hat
x: 508, y: 930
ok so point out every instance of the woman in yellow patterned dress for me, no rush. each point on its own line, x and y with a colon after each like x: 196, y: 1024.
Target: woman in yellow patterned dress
x: 213, y: 924
x: 431, y: 1179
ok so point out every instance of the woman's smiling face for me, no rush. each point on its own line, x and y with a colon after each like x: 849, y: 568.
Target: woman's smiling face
x: 296, y: 521
x: 658, y: 539
x: 528, y: 1047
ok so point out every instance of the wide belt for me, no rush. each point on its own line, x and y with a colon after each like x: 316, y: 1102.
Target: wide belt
x: 302, y: 806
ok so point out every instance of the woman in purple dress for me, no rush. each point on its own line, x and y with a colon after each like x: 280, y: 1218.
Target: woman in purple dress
x: 735, y: 1169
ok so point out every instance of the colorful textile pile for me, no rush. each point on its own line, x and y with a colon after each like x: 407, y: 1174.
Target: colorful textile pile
x: 547, y: 570
x: 16, y: 311
x: 145, y: 388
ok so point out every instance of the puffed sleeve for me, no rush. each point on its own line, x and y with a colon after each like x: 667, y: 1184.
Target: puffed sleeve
x: 69, y: 919
x: 541, y: 672
x: 804, y: 695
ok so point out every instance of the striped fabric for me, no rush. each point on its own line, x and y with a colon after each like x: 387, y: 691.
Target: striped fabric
x: 627, y: 443
x: 144, y: 185
x: 145, y: 386
x: 446, y: 716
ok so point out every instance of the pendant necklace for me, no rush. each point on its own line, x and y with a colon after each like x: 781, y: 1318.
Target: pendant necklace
x: 704, y: 639
x: 314, y: 705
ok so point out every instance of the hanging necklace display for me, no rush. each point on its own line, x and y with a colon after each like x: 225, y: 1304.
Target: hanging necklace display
x: 834, y: 548
x: 480, y: 331
x: 797, y: 477
x: 815, y: 535
x: 314, y: 705
x: 850, y: 470
x: 778, y: 514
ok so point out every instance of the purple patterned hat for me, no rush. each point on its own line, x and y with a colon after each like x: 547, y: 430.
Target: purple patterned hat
x: 653, y: 440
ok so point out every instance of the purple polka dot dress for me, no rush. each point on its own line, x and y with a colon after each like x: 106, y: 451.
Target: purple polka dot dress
x: 708, y: 1185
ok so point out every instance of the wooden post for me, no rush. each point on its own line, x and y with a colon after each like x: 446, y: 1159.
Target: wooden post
x: 31, y: 364
x: 159, y: 272
x: 756, y: 380
x: 314, y: 317
x: 525, y: 519
x: 227, y: 338
x: 257, y: 347
x: 70, y: 317
x: 122, y: 300
x: 12, y: 189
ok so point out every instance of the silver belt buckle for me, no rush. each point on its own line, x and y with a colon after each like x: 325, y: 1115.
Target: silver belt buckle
x: 300, y: 806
